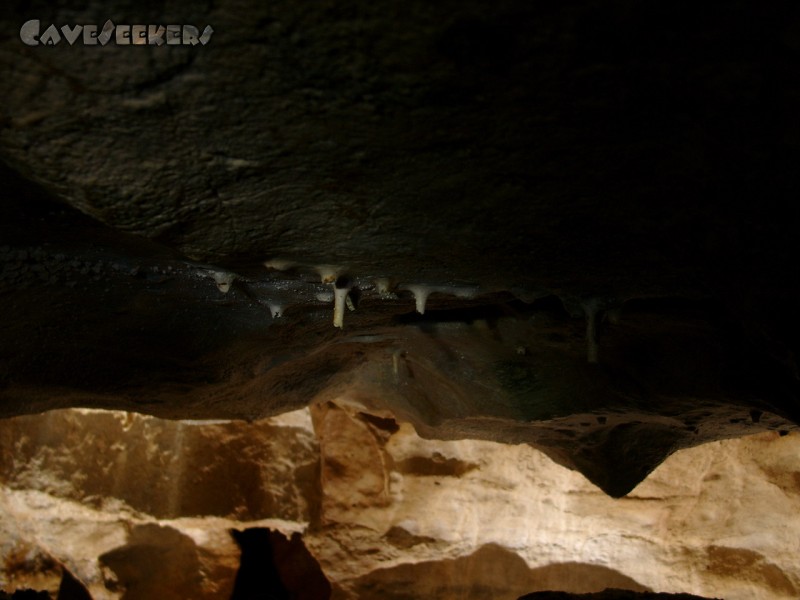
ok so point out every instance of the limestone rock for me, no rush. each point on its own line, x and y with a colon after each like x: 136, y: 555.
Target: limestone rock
x: 565, y: 227
x: 446, y: 519
x: 606, y: 192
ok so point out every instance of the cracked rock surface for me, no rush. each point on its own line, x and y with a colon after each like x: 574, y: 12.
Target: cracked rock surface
x: 601, y: 199
x: 358, y: 506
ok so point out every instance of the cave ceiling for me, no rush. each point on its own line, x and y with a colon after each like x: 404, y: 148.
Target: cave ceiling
x: 593, y: 204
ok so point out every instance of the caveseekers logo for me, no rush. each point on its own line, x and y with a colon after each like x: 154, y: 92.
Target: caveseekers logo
x: 122, y: 35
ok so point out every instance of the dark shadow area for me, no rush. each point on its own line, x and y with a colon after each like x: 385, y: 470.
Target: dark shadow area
x: 490, y: 572
x: 435, y: 466
x: 579, y: 153
x: 274, y: 567
x: 156, y: 562
x: 71, y: 588
x: 503, y: 305
x: 610, y: 594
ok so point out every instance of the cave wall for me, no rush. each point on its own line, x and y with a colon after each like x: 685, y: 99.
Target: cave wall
x: 598, y: 201
x: 384, y: 512
x: 567, y: 229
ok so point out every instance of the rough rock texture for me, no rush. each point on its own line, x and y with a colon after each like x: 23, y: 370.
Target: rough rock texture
x: 383, y: 512
x: 602, y: 197
x: 25, y: 595
x: 608, y: 595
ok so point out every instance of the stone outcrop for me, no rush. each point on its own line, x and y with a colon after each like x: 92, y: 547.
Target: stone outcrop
x: 358, y: 502
x: 592, y: 205
x: 609, y: 594
x: 508, y: 226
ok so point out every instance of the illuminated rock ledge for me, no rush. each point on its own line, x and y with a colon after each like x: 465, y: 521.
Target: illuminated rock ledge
x: 131, y: 504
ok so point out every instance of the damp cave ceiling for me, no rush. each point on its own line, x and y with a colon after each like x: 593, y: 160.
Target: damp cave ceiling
x: 631, y: 165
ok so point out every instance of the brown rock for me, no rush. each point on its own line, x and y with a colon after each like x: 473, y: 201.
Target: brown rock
x: 429, y: 518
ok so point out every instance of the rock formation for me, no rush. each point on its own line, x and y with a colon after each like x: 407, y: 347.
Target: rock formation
x: 609, y: 594
x: 338, y: 501
x: 568, y: 228
x: 581, y: 201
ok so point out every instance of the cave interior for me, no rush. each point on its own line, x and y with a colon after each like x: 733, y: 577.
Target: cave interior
x: 270, y: 297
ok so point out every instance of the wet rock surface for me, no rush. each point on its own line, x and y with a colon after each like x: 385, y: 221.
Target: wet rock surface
x: 601, y: 200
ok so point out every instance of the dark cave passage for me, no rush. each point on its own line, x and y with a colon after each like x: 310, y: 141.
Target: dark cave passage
x: 274, y: 567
